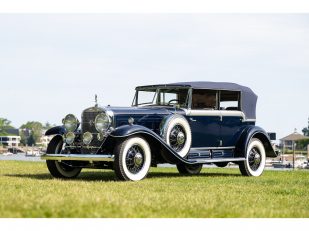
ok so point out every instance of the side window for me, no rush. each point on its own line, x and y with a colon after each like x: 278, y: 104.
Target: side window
x: 204, y: 99
x: 230, y: 100
x: 167, y: 97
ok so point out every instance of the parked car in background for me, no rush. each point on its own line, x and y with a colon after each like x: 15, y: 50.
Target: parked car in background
x: 187, y: 124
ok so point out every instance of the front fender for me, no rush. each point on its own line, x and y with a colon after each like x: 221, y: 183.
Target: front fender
x: 254, y: 132
x: 167, y: 153
x: 59, y: 130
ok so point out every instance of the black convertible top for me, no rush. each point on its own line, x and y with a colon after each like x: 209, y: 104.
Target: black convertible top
x: 248, y: 97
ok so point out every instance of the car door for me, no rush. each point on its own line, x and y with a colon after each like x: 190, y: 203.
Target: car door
x: 232, y: 117
x: 205, y: 128
x: 204, y: 118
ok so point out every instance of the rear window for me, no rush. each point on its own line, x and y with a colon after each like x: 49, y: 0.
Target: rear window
x: 230, y: 100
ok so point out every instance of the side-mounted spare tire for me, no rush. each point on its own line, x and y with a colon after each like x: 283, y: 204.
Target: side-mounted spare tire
x: 176, y: 132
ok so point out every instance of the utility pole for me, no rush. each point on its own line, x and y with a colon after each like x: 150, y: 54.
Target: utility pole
x: 294, y: 145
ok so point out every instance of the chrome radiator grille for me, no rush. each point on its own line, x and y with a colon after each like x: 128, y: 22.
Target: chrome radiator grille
x: 88, y: 122
x: 87, y: 125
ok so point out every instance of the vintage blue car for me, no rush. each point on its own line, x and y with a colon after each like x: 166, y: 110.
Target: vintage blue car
x: 187, y: 124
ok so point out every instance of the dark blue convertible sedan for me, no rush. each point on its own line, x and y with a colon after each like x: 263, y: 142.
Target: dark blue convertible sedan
x: 187, y: 124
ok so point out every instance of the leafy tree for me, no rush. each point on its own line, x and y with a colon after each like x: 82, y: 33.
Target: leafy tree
x: 35, y: 129
x: 31, y: 140
x: 4, y: 125
x: 306, y: 130
x: 302, y: 144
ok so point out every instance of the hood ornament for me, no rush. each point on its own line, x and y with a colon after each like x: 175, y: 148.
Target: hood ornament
x: 96, y: 100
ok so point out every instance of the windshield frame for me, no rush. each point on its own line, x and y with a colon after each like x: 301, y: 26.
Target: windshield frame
x: 157, y: 90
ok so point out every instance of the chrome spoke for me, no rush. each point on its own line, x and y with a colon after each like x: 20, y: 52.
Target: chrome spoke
x: 254, y: 159
x: 135, y: 159
x: 177, y: 138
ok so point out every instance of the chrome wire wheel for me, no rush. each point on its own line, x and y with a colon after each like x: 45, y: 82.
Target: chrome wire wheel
x: 255, y: 159
x: 132, y: 159
x: 177, y: 138
x: 135, y: 158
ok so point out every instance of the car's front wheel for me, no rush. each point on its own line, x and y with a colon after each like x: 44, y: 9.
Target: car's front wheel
x: 132, y: 159
x: 189, y: 169
x: 255, y: 159
x: 60, y: 169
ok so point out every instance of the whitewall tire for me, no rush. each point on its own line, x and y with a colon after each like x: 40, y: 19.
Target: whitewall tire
x: 255, y: 159
x: 176, y: 132
x: 60, y: 169
x: 132, y: 159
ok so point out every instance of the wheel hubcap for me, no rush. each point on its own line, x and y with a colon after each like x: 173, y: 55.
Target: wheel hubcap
x: 180, y: 138
x: 138, y: 159
x: 135, y: 159
x: 255, y: 159
x: 177, y: 138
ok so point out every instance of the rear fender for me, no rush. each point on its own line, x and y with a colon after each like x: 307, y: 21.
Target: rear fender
x: 250, y: 133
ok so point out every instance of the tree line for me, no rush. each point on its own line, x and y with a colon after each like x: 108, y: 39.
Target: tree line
x: 302, y: 144
x: 30, y: 132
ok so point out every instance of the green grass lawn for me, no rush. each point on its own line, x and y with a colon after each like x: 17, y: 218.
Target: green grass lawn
x: 27, y: 190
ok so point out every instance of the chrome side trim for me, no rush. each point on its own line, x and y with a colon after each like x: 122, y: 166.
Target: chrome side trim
x: 249, y: 120
x: 233, y: 113
x: 211, y: 148
x: 202, y: 161
x: 190, y: 112
x: 79, y: 157
x: 220, y: 113
x: 201, y: 112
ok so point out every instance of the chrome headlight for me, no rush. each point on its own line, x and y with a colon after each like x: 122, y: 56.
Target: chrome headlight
x: 70, y: 123
x: 102, y: 122
x: 69, y: 138
x: 87, y: 138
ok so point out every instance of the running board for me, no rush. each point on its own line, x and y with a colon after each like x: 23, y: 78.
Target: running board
x: 215, y: 160
x: 78, y: 157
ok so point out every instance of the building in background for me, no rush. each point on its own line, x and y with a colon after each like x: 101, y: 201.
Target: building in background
x: 10, y: 141
x: 44, y: 140
x: 288, y: 141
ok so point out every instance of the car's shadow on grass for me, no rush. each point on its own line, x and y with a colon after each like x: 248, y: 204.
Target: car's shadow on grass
x: 110, y: 176
x: 204, y: 174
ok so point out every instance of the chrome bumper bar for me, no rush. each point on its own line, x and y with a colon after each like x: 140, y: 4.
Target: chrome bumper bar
x: 79, y: 157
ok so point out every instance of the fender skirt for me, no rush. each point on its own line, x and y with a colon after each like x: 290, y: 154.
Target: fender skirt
x: 59, y: 130
x: 168, y: 153
x: 253, y: 132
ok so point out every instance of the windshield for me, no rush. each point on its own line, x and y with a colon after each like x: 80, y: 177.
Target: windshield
x: 161, y: 97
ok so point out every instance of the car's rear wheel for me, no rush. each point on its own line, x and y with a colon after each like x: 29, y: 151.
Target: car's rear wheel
x: 255, y: 159
x: 60, y: 169
x: 132, y: 159
x: 189, y: 169
x: 221, y: 164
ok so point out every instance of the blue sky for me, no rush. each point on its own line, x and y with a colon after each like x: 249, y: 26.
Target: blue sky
x: 53, y: 64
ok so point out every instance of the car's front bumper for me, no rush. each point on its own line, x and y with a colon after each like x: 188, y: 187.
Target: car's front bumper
x: 78, y: 157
